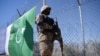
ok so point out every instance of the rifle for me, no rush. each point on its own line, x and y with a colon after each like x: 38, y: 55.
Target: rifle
x: 59, y: 37
x: 57, y: 23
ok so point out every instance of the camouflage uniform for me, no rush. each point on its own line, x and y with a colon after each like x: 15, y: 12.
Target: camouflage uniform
x: 46, y: 31
x: 45, y: 34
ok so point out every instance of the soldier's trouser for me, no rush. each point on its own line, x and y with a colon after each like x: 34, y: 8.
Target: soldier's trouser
x: 46, y: 44
x: 46, y: 48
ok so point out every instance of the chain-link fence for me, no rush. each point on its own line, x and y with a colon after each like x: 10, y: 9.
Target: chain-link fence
x: 67, y: 13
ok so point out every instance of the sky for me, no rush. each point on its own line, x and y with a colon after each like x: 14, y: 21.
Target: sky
x: 66, y: 12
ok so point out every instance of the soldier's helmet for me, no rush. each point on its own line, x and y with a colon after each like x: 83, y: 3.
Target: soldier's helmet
x: 45, y: 9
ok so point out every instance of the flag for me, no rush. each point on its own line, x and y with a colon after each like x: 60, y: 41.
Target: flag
x: 79, y: 2
x: 20, y: 41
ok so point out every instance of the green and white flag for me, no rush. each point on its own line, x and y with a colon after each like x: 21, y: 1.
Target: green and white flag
x: 20, y: 40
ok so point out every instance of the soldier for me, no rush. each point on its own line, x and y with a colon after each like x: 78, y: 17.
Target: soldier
x: 46, y: 32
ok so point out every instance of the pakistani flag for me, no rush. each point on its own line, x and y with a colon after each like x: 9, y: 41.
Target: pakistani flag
x: 20, y: 38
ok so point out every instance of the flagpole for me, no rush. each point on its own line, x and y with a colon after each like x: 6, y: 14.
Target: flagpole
x: 44, y: 2
x: 18, y: 12
x: 82, y: 27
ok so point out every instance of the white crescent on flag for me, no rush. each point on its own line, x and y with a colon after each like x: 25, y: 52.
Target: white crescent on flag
x: 18, y: 41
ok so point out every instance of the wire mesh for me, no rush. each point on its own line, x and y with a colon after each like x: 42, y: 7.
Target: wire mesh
x: 67, y: 14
